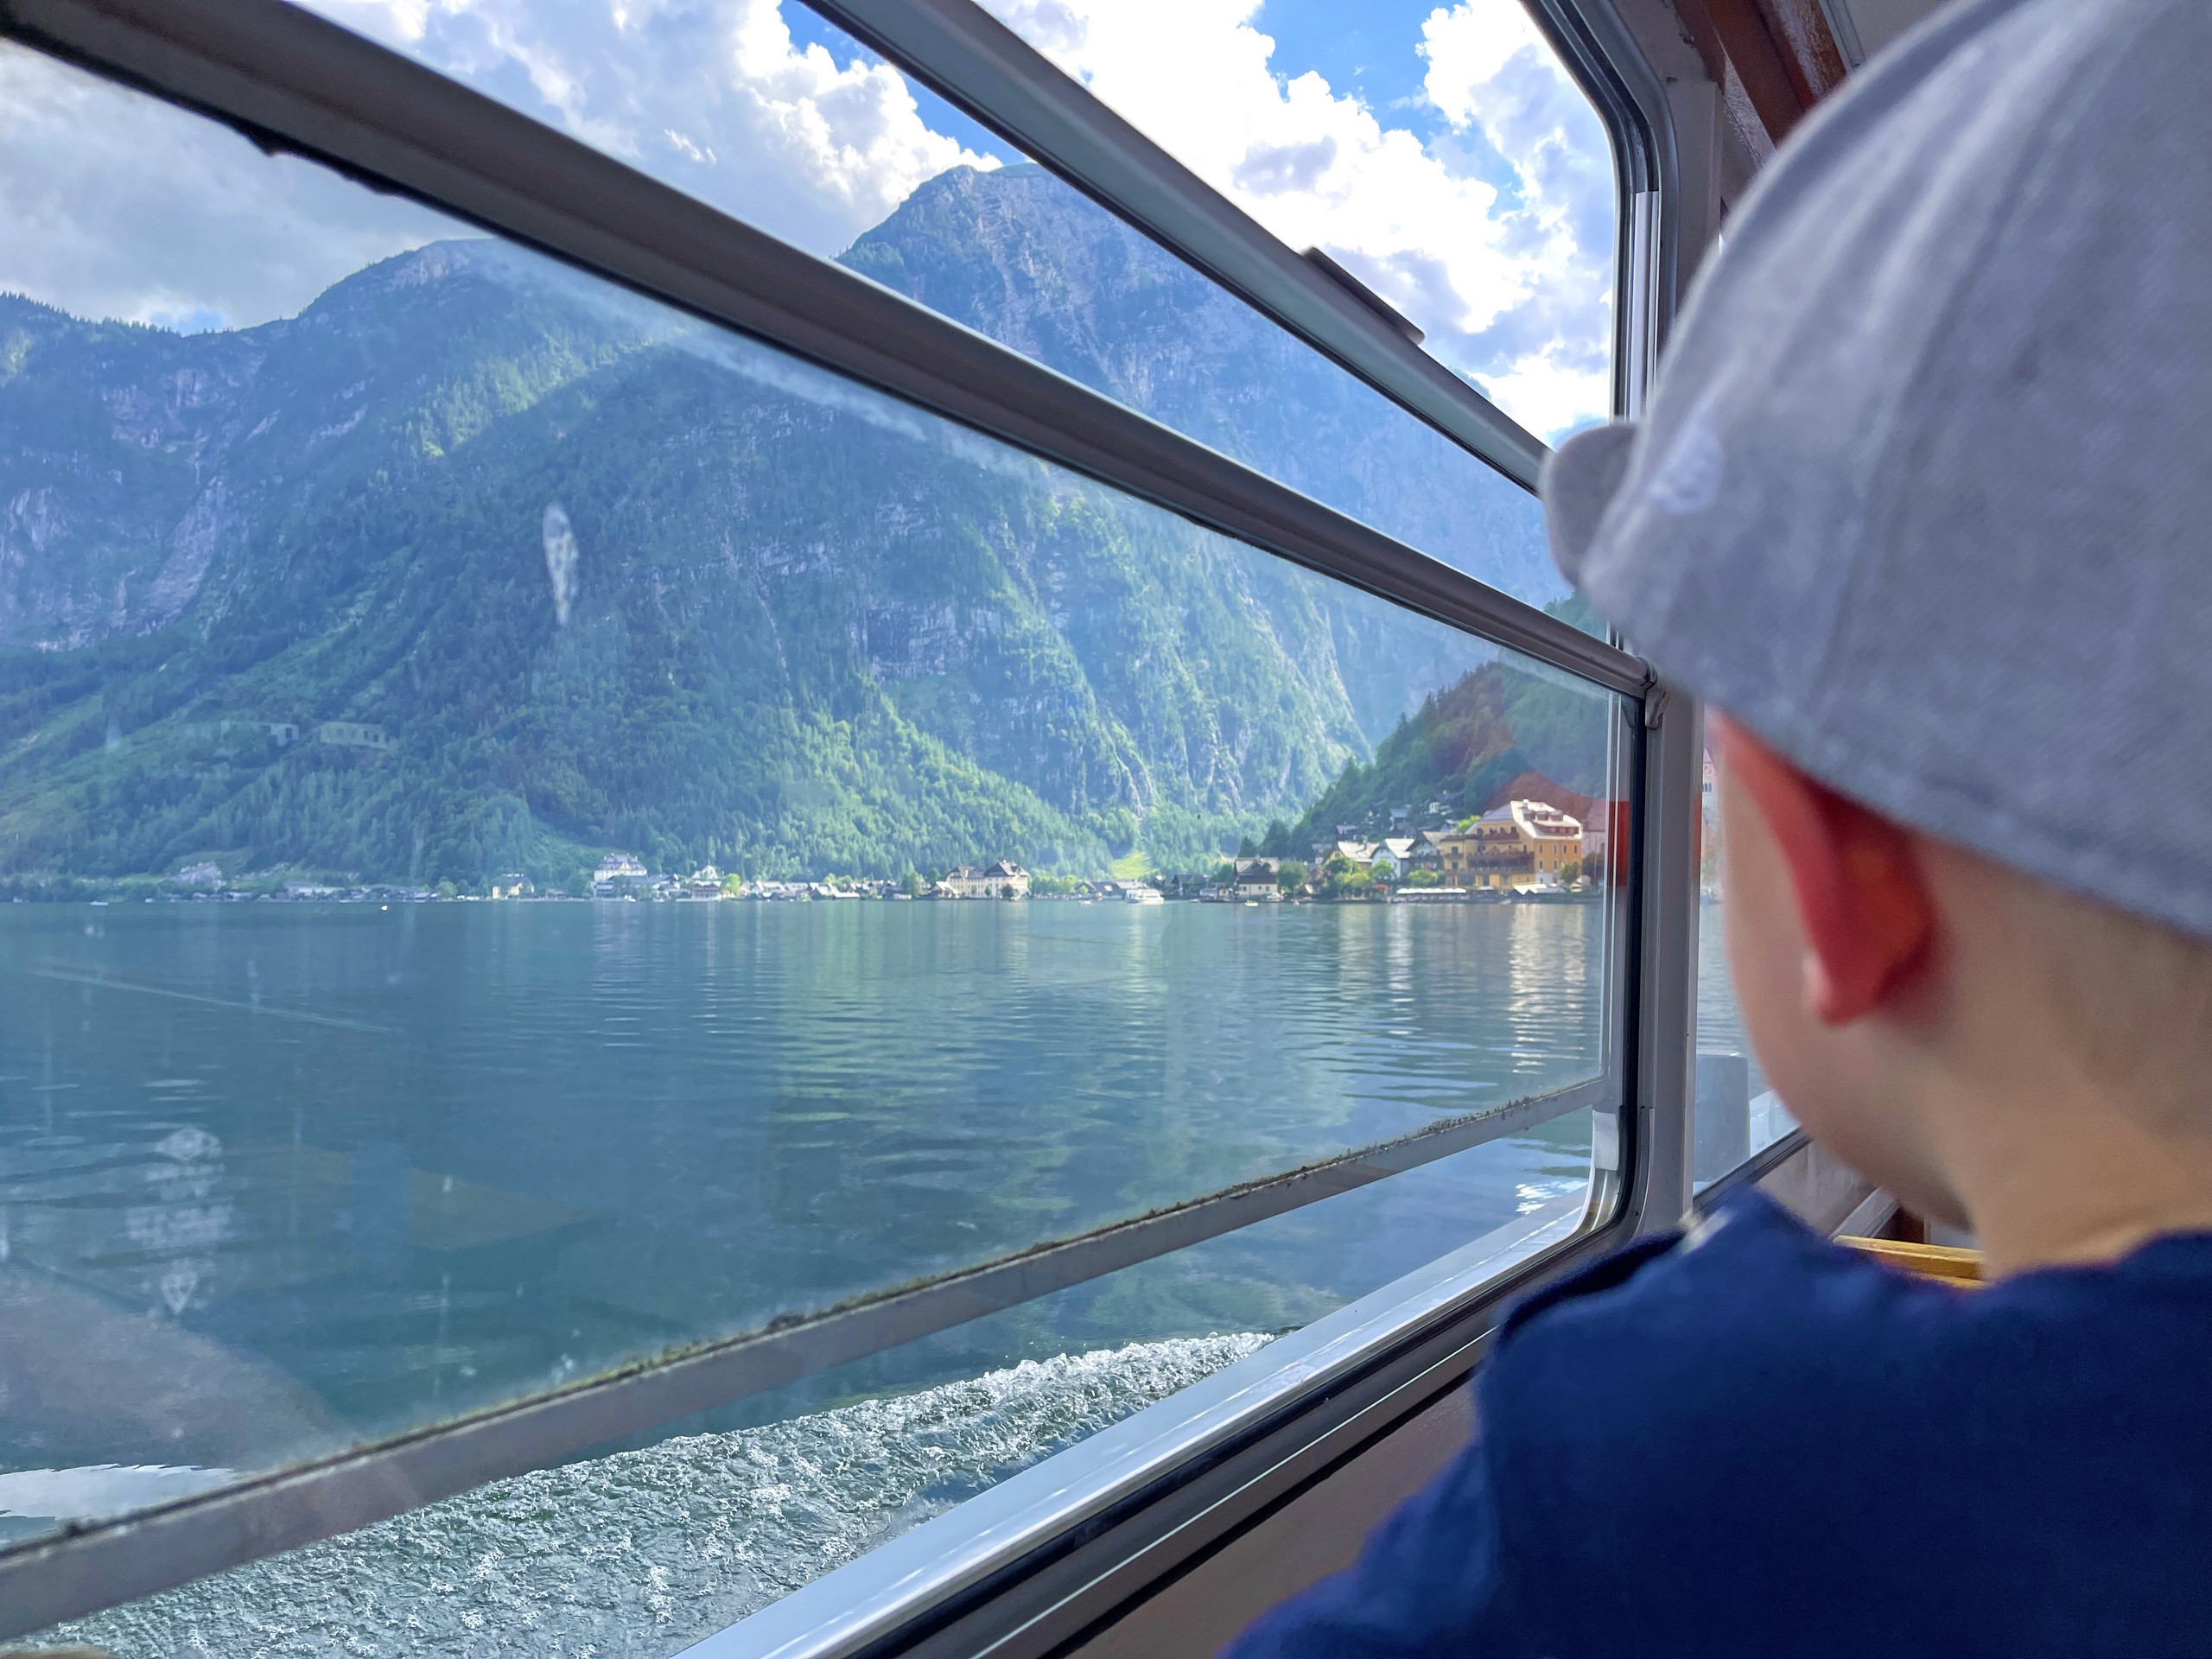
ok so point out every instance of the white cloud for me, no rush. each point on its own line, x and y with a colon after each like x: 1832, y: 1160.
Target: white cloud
x: 1494, y: 235
x: 115, y: 204
x: 1489, y: 71
x: 712, y: 96
x: 1486, y: 217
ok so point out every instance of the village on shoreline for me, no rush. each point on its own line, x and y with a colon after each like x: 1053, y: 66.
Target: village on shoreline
x: 1522, y: 850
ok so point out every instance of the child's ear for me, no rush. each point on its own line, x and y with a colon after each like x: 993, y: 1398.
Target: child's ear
x: 1863, y: 902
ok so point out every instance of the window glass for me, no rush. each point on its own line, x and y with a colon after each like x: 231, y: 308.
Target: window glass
x: 638, y: 1552
x: 761, y: 109
x: 1734, y: 1113
x: 534, y: 832
x: 1439, y: 152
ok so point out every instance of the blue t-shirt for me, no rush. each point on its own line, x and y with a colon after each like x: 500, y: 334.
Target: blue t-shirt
x: 1754, y: 1442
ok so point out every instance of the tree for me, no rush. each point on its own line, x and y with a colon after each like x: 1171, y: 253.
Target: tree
x: 1291, y: 875
x: 1342, y: 879
x: 1424, y: 879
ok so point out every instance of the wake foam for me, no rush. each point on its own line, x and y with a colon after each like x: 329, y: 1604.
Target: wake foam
x: 644, y: 1552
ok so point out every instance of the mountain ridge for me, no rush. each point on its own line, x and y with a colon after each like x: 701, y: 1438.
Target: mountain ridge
x: 812, y: 629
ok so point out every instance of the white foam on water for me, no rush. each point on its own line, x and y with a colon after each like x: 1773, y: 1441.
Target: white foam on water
x: 636, y: 1555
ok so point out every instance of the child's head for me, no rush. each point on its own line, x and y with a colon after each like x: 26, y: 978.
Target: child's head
x: 1922, y: 506
x: 1942, y: 1020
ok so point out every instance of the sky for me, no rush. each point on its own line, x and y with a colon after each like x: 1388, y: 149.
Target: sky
x: 1437, y: 151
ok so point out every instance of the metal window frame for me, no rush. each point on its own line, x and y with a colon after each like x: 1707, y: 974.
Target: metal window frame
x: 292, y: 82
x: 1753, y: 1170
x: 1600, y: 51
x: 1845, y: 27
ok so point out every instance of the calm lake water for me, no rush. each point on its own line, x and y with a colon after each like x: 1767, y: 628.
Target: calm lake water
x: 276, y: 1177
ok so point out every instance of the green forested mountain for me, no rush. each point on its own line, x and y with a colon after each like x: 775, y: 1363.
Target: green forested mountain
x: 1021, y: 257
x: 1496, y: 732
x: 573, y: 573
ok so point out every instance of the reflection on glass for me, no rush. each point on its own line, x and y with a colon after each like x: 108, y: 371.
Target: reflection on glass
x: 1735, y: 1113
x: 760, y: 109
x: 490, y: 770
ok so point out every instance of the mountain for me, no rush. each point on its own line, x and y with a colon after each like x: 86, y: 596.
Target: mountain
x: 804, y: 628
x: 1020, y: 256
x: 1497, y: 735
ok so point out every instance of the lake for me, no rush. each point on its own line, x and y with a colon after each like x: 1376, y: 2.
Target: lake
x: 275, y: 1177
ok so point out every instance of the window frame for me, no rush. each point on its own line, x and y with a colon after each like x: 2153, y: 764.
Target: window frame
x: 292, y: 81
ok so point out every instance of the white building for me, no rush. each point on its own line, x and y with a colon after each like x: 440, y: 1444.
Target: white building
x: 355, y: 735
x: 1359, y: 852
x: 1394, y: 856
x: 1256, y: 877
x: 618, y: 873
x: 1004, y: 880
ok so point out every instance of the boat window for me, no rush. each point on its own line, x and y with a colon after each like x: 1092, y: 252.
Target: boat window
x: 1441, y: 156
x: 770, y: 113
x: 538, y: 836
x: 638, y: 1551
x: 1734, y: 1112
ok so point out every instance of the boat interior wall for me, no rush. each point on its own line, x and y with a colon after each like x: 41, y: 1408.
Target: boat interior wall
x: 1878, y: 1215
x: 1742, y: 74
x: 1317, y: 1532
x: 1822, y: 1191
x: 1781, y: 52
x: 1719, y: 144
x: 1879, y: 22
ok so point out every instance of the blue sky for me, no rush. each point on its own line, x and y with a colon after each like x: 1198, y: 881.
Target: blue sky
x: 1436, y: 149
x: 1368, y: 47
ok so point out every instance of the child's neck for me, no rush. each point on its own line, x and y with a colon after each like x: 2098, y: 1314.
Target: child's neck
x: 2066, y: 1177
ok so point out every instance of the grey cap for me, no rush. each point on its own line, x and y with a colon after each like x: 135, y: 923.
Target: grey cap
x: 1924, y: 493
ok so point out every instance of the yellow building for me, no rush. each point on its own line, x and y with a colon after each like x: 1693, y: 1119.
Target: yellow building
x: 1521, y: 844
